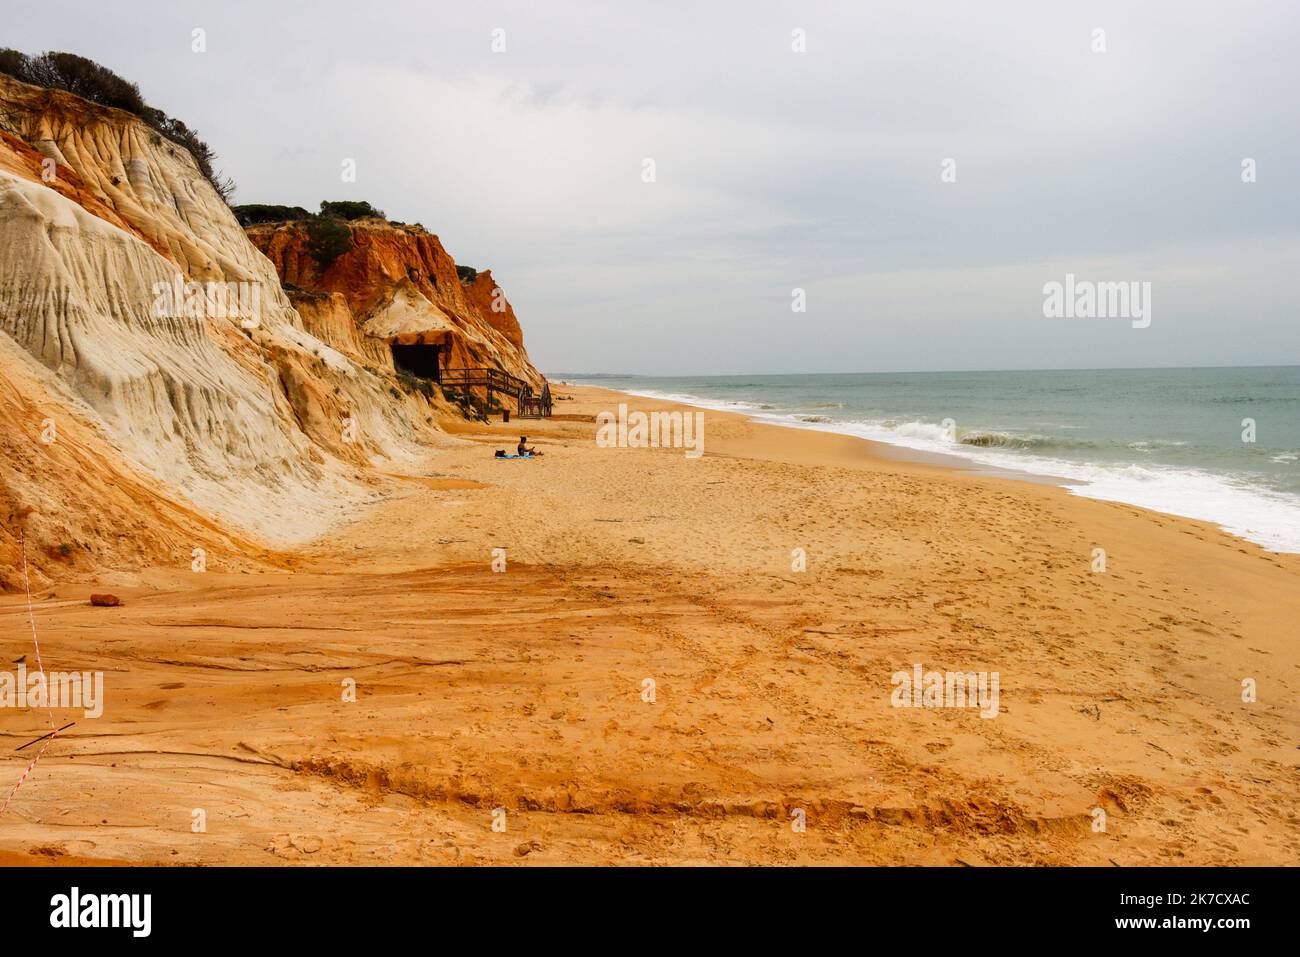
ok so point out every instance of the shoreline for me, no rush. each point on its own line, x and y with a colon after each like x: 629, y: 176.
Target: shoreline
x: 881, y: 449
x: 967, y: 459
x: 525, y: 688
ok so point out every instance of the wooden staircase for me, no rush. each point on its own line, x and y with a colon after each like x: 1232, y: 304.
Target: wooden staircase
x: 528, y: 405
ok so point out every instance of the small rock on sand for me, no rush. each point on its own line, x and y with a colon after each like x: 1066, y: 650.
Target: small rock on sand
x: 105, y: 601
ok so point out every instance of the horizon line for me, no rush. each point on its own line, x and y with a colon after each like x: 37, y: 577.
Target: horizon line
x: 722, y: 375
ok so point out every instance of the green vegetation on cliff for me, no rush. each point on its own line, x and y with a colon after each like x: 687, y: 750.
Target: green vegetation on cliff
x: 98, y: 84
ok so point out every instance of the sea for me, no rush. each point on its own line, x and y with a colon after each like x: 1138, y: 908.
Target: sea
x: 1221, y: 445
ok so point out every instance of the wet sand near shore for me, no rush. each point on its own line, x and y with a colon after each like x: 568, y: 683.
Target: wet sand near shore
x: 525, y: 690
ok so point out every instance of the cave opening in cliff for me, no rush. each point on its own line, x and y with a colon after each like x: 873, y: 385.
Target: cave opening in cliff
x: 418, y: 360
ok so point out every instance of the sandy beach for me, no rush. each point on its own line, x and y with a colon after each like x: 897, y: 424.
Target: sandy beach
x: 520, y: 697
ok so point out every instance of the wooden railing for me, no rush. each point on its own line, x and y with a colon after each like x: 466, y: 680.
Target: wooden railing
x: 528, y: 405
x: 536, y: 406
x: 487, y: 378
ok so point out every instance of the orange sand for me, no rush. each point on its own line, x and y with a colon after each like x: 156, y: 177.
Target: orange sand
x: 522, y: 690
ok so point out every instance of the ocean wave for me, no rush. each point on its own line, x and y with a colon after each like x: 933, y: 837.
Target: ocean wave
x: 976, y: 438
x: 987, y: 438
x: 1234, y: 502
x: 1248, y: 399
x: 1259, y: 515
x: 1156, y: 444
x: 1009, y: 440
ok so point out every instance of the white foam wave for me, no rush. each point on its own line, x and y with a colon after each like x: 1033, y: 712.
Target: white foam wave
x: 1263, y: 516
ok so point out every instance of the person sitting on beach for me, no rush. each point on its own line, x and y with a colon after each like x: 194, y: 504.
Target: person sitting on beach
x: 524, y: 449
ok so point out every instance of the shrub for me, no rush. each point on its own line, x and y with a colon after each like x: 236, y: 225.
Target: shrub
x: 459, y: 399
x: 251, y: 214
x: 182, y: 135
x: 82, y: 77
x: 350, y: 209
x: 16, y: 64
x: 328, y: 238
x: 413, y: 383
x: 465, y: 401
x: 98, y: 84
x: 467, y: 273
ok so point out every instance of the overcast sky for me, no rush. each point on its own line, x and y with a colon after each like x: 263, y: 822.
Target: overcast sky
x: 774, y: 169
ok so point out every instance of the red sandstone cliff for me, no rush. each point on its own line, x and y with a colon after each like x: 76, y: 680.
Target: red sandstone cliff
x: 396, y: 276
x: 486, y: 296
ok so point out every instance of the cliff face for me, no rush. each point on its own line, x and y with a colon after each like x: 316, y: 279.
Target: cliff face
x: 112, y: 246
x: 396, y: 276
x: 487, y: 299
